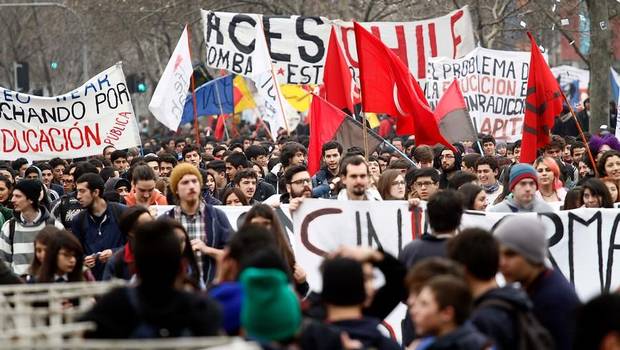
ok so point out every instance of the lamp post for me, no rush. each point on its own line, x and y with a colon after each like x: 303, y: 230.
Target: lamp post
x: 85, y: 74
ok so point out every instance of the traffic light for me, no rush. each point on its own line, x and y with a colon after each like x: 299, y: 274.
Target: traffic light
x: 54, y: 65
x: 22, y: 76
x: 136, y: 83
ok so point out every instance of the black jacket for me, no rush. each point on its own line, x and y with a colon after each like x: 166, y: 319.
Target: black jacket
x: 176, y: 312
x: 367, y: 332
x: 466, y: 337
x: 497, y: 323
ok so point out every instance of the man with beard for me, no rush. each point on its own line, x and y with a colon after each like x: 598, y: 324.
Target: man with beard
x: 97, y: 227
x: 356, y: 179
x: 450, y: 163
x: 326, y: 179
x: 207, y: 227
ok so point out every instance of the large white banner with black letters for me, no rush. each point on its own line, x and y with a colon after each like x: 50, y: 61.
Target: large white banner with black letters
x: 298, y: 44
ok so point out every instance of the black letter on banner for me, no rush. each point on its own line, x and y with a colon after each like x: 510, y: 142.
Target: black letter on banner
x: 304, y: 228
x: 571, y: 253
x: 303, y: 53
x: 231, y: 33
x: 372, y: 234
x: 269, y: 35
x: 610, y: 254
x: 213, y: 23
x: 557, y: 235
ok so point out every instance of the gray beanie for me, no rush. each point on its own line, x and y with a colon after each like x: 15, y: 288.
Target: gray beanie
x: 525, y: 235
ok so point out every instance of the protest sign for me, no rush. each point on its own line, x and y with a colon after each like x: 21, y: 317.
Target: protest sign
x: 583, y: 242
x: 79, y: 123
x: 298, y: 44
x: 574, y: 83
x: 494, y: 85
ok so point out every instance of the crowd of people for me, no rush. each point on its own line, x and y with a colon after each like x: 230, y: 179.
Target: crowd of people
x: 190, y: 274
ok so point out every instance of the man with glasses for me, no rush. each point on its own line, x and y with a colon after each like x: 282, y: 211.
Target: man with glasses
x: 423, y: 183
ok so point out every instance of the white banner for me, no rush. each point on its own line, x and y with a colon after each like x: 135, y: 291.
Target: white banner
x: 494, y: 85
x: 77, y: 124
x: 298, y: 45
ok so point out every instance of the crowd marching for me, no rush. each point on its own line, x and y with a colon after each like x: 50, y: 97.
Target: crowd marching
x: 190, y: 274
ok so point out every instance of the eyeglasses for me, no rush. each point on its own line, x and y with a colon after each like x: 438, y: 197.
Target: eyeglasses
x: 305, y: 181
x: 423, y: 184
x: 396, y: 183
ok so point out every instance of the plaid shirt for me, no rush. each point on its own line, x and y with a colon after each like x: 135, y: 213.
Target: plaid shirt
x: 195, y: 227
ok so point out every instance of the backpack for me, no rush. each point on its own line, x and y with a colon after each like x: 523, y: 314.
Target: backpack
x: 532, y: 335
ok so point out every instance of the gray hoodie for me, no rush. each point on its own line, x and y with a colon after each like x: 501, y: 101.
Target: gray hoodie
x: 509, y: 205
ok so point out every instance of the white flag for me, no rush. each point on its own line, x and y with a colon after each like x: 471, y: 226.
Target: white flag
x: 171, y: 92
x: 262, y: 76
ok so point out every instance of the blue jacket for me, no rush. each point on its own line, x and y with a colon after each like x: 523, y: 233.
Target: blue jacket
x: 218, y: 233
x: 320, y: 184
x: 555, y: 302
x: 99, y: 237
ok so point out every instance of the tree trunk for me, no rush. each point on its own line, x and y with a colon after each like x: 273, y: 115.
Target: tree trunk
x: 600, y: 63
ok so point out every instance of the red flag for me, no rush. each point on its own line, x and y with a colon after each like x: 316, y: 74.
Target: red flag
x: 327, y: 123
x: 219, y: 127
x: 542, y: 104
x: 452, y: 115
x: 337, y: 81
x: 388, y: 87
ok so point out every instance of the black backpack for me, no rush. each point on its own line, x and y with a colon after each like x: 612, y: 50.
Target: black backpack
x: 532, y: 335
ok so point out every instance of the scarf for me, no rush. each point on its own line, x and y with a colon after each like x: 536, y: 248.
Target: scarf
x: 490, y: 189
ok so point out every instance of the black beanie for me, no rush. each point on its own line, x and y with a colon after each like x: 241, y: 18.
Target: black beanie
x: 31, y: 189
x: 343, y: 282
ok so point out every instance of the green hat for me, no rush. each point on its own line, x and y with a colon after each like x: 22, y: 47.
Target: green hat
x: 270, y: 309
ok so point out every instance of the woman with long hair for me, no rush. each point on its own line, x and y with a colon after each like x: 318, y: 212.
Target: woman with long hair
x: 234, y: 197
x: 596, y: 194
x: 42, y: 240
x: 392, y: 185
x: 64, y: 259
x: 612, y: 187
x: 609, y: 165
x: 550, y: 186
x: 264, y: 215
x: 6, y: 188
x: 474, y: 197
x: 574, y: 198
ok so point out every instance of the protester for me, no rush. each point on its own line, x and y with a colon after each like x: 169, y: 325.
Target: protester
x: 96, y: 227
x: 392, y: 185
x: 63, y: 261
x: 440, y: 312
x: 523, y: 250
x: 356, y: 180
x: 207, y: 226
x: 41, y: 242
x: 246, y: 180
x: 522, y: 183
x: 234, y: 197
x: 325, y: 181
x: 344, y: 294
x: 449, y: 163
x: 487, y: 170
x: 154, y: 309
x: 143, y: 191
x: 18, y: 233
x: 6, y: 188
x: 598, y: 326
x: 551, y: 188
x: 574, y: 199
x: 596, y: 194
x: 424, y: 182
x: 444, y: 210
x: 609, y: 165
x: 612, y: 187
x: 488, y: 145
x: 497, y: 311
x: 68, y: 206
x: 474, y: 197
x: 121, y: 264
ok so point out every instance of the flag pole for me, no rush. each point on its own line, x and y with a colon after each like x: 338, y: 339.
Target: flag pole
x: 583, y: 137
x: 219, y: 104
x: 196, y: 128
x: 275, y: 82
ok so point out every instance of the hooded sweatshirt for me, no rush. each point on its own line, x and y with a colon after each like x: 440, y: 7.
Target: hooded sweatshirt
x: 466, y: 337
x: 498, y: 323
x: 19, y: 252
x: 509, y: 205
